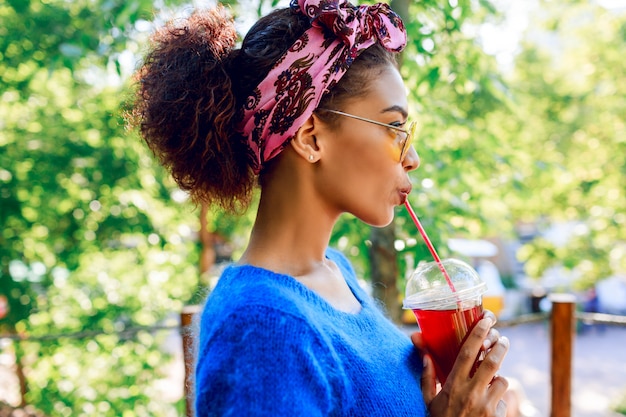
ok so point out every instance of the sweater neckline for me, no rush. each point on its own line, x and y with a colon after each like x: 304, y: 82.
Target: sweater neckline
x: 308, y: 293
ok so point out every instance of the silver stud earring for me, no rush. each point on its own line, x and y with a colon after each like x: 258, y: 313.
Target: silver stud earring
x: 310, y: 157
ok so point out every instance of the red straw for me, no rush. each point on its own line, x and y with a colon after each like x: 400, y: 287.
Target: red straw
x: 430, y: 246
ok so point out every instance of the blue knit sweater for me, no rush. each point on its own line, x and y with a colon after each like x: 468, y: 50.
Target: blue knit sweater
x: 269, y: 346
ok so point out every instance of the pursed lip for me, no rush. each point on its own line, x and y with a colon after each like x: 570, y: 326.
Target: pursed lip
x: 404, y: 193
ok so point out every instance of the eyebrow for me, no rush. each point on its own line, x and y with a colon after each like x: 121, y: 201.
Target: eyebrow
x: 396, y: 108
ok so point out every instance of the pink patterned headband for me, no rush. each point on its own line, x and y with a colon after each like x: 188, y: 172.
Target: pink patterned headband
x: 290, y: 93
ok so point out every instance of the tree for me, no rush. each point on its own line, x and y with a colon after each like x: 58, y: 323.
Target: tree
x: 570, y: 84
x: 91, y: 232
x: 95, y: 238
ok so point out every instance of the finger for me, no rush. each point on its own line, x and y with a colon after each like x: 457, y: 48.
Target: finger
x: 489, y: 314
x: 501, y: 409
x: 491, y: 339
x: 429, y: 380
x: 492, y: 361
x: 418, y: 341
x: 493, y: 333
x: 470, y: 348
x: 499, y: 385
x: 429, y: 377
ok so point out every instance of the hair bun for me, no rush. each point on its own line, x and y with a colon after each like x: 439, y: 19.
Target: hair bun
x: 186, y: 107
x: 213, y: 28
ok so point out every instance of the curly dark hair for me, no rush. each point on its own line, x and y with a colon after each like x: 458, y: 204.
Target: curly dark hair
x: 192, y: 86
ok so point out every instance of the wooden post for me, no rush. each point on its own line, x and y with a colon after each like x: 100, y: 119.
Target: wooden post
x: 562, y: 336
x: 189, y: 352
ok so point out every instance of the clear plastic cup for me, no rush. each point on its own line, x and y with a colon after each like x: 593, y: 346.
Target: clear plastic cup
x: 445, y: 316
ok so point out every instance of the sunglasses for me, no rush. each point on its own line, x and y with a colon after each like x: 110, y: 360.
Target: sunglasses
x: 404, y: 137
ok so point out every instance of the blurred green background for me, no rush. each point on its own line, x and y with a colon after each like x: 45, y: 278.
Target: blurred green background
x: 99, y: 249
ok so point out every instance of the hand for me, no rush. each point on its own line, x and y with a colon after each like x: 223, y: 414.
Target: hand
x: 462, y: 395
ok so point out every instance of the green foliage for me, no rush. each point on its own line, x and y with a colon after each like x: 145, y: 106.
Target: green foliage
x: 621, y: 406
x: 570, y: 86
x: 95, y: 237
x: 123, y: 377
x: 455, y: 89
x: 91, y: 238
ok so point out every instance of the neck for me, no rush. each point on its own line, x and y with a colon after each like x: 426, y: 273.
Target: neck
x: 292, y: 229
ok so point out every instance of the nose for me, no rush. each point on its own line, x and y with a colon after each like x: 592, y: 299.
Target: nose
x: 411, y: 160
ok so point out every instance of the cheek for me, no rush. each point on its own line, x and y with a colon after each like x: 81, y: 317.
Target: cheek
x: 363, y: 156
x: 375, y: 171
x: 369, y: 149
x: 393, y: 151
x: 381, y: 156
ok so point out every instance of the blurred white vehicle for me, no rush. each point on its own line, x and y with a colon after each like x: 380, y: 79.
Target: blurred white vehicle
x: 612, y: 295
x: 478, y: 249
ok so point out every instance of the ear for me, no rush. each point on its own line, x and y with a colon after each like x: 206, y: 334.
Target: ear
x: 305, y: 142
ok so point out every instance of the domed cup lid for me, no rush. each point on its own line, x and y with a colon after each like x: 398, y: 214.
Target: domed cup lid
x: 427, y: 288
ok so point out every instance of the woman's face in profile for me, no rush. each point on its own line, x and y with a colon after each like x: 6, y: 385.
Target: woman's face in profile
x: 359, y: 171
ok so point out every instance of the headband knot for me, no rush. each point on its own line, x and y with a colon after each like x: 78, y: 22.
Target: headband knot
x: 293, y: 88
x: 358, y: 27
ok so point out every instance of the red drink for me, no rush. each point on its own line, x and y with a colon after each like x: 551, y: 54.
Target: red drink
x: 445, y: 313
x: 444, y: 332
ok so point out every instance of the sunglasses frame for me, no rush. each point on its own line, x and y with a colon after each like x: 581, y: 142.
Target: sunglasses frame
x: 405, y: 143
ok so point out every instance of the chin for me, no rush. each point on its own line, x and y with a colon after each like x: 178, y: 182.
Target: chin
x: 379, y: 221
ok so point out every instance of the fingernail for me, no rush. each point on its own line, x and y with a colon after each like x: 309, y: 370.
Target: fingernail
x: 425, y: 361
x: 504, y: 340
x: 486, y: 344
x: 485, y: 323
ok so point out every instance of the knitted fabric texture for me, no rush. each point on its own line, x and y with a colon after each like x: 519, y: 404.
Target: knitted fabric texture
x: 269, y: 346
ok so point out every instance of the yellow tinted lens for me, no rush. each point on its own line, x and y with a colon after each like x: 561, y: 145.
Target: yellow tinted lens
x: 407, y: 141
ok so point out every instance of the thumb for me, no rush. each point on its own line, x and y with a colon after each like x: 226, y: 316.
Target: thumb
x: 418, y: 341
x: 429, y: 380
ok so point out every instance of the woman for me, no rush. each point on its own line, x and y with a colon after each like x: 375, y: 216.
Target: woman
x: 313, y: 108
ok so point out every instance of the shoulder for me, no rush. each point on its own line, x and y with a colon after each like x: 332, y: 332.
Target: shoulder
x: 245, y: 287
x: 248, y: 297
x: 255, y: 314
x: 253, y: 351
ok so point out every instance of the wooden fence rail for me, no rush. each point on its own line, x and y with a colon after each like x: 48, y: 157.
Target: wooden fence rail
x: 562, y: 318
